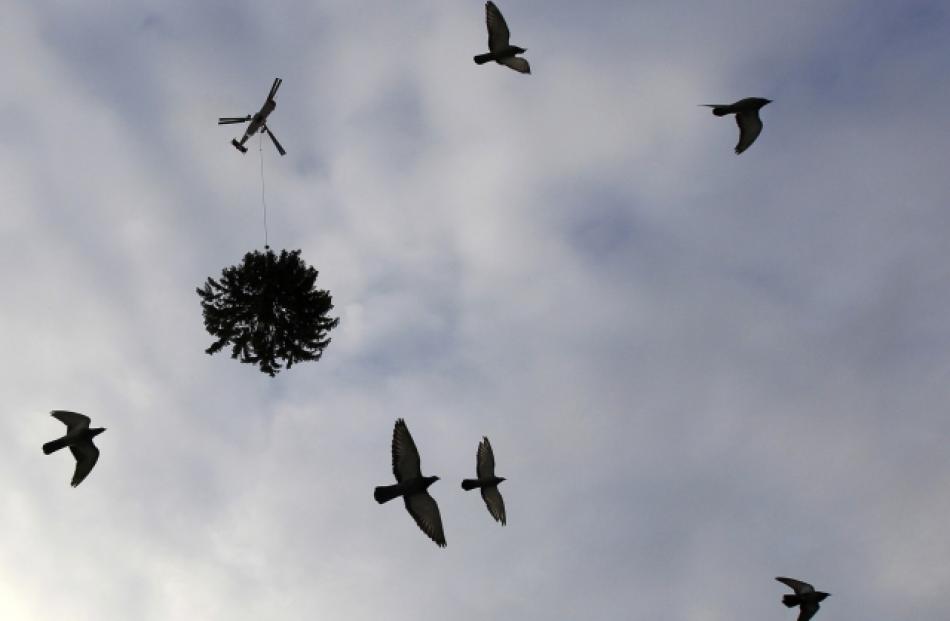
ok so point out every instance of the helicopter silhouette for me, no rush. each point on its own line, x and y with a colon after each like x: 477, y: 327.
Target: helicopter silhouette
x: 258, y: 121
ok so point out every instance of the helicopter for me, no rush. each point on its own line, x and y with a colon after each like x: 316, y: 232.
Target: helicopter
x: 258, y: 121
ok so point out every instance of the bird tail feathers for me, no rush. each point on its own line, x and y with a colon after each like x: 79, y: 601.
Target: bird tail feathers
x: 469, y: 484
x: 385, y: 493
x: 481, y: 59
x: 790, y: 600
x: 55, y: 445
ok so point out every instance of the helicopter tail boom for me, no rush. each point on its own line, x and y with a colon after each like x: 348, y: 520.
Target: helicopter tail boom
x: 227, y: 120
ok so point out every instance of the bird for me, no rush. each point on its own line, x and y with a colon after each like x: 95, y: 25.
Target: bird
x: 487, y: 481
x: 805, y: 597
x: 78, y: 438
x: 500, y: 49
x: 412, y: 486
x: 747, y: 118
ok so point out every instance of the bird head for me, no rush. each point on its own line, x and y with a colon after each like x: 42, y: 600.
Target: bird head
x: 500, y: 479
x: 430, y: 480
x: 97, y: 430
x: 519, y: 50
x: 763, y: 102
x: 822, y: 595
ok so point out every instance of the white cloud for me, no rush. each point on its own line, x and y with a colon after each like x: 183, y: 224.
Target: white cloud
x: 698, y: 371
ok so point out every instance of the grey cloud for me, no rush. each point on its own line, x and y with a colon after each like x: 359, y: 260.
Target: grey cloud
x: 737, y: 367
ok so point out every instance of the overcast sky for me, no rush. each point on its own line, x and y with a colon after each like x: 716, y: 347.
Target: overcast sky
x: 698, y: 371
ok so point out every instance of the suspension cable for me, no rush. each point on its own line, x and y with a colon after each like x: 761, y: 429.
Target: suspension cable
x: 260, y: 149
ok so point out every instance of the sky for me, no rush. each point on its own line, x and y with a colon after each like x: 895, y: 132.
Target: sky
x: 698, y: 371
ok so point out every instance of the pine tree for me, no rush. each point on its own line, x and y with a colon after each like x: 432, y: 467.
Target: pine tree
x: 268, y: 310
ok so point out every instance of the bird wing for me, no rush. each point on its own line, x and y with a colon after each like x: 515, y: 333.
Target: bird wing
x: 72, y: 420
x: 424, y: 510
x: 498, y: 33
x: 750, y: 125
x: 405, y: 455
x: 484, y: 460
x: 86, y: 455
x: 494, y: 502
x: 517, y: 63
x: 807, y: 611
x: 797, y: 585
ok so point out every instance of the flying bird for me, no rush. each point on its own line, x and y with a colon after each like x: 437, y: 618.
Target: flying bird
x: 747, y: 118
x: 500, y: 49
x: 487, y: 481
x: 805, y: 597
x: 78, y: 438
x: 412, y: 486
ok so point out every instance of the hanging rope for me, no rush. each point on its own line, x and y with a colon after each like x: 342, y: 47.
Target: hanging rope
x: 260, y: 149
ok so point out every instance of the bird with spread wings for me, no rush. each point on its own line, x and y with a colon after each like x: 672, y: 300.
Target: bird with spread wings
x: 487, y: 481
x: 805, y: 597
x: 79, y: 440
x: 747, y: 118
x: 411, y: 485
x: 500, y: 48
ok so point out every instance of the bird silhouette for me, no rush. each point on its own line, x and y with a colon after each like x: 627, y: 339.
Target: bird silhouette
x: 805, y: 597
x: 747, y: 118
x: 487, y: 481
x: 79, y: 440
x: 500, y: 49
x: 411, y: 485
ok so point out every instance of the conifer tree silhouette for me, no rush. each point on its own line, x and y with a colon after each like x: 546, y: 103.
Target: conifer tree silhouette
x: 268, y: 310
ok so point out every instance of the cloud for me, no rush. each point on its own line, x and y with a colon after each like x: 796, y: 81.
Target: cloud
x: 698, y: 371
